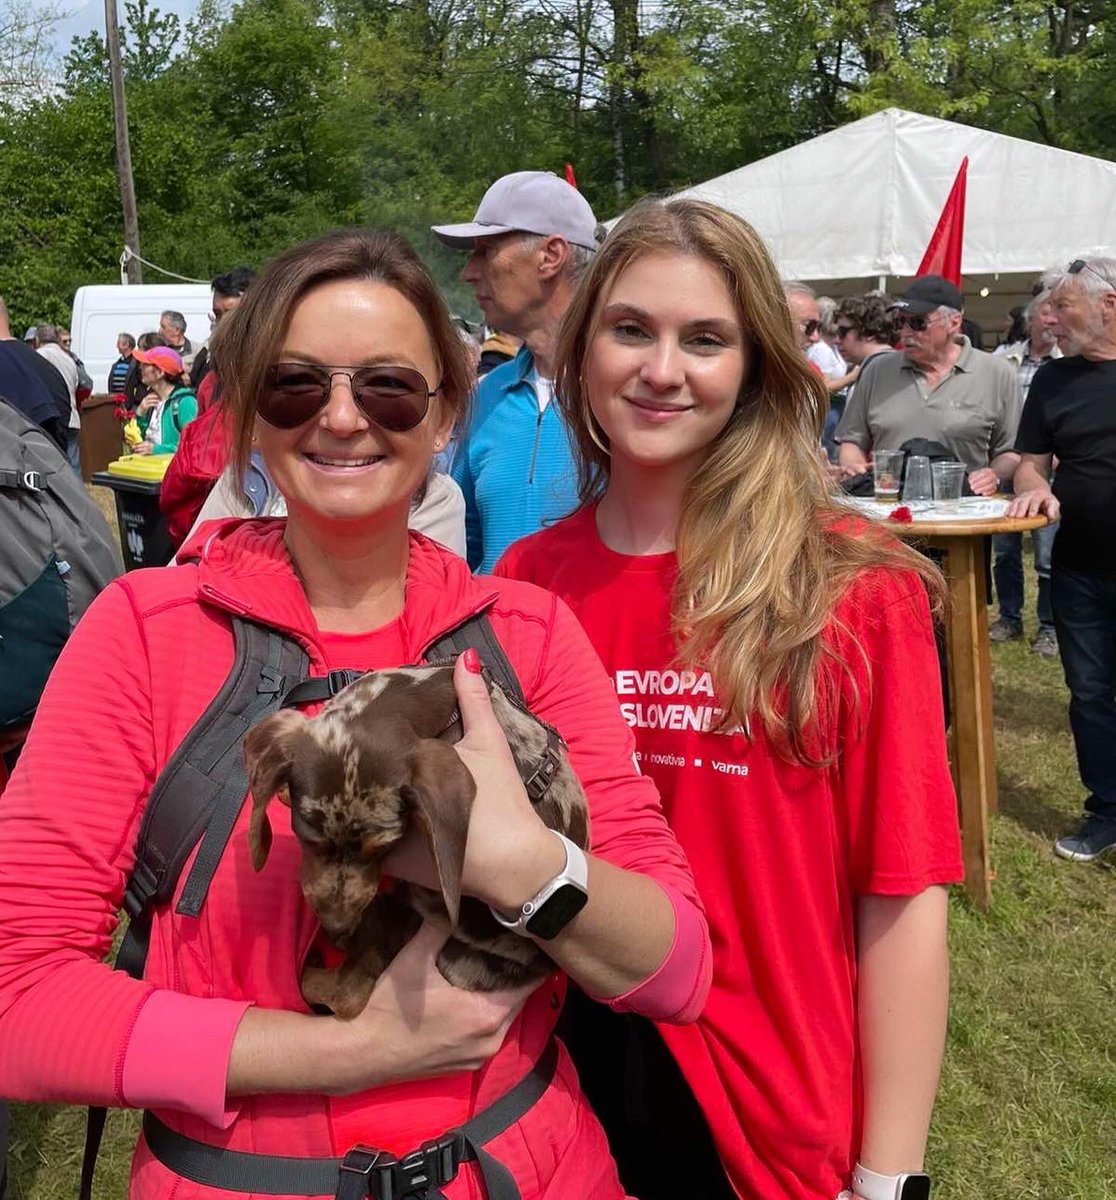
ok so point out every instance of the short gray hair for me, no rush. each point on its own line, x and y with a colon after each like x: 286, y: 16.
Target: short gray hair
x: 1096, y: 276
x: 794, y: 288
x: 174, y: 319
x: 46, y: 334
x: 579, y: 257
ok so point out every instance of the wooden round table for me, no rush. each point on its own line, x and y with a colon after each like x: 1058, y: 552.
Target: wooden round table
x: 972, y: 750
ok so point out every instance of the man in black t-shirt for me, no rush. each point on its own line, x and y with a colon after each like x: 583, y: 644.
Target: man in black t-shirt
x: 1070, y: 415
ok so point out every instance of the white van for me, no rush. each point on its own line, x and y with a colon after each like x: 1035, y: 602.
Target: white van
x: 103, y: 311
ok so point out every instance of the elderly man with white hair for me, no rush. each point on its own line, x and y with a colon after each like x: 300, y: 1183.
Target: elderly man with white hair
x: 1070, y: 415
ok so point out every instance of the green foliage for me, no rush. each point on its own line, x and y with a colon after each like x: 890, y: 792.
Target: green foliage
x: 259, y: 124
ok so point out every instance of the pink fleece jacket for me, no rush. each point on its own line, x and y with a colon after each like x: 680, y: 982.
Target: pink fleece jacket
x: 139, y: 670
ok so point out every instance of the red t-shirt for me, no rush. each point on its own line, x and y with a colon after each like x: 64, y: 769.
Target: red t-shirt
x: 780, y: 852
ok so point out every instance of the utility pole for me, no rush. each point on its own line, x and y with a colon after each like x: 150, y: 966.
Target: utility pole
x: 123, y: 149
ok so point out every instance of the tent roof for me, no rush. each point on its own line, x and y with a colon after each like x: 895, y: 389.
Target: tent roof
x: 863, y: 200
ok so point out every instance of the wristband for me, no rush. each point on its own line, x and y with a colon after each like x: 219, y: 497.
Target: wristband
x: 556, y: 903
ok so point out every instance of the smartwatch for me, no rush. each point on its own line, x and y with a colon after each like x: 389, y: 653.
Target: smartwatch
x: 556, y: 903
x: 870, y: 1185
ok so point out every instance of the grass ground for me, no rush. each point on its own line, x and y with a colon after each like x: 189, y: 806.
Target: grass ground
x: 1027, y: 1108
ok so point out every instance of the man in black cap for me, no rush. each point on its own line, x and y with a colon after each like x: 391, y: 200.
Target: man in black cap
x: 940, y: 388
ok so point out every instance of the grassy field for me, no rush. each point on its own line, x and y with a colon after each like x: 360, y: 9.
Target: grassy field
x: 1027, y: 1109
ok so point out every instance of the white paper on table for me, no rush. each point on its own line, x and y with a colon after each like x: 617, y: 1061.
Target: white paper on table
x: 969, y: 508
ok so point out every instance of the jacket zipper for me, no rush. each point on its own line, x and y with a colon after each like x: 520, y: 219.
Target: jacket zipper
x: 535, y: 447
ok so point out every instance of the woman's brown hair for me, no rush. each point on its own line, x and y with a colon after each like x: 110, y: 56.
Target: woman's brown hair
x: 764, y: 551
x: 248, y: 341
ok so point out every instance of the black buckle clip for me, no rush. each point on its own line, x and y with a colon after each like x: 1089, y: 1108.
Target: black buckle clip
x: 271, y: 682
x: 434, y: 1164
x: 141, y: 888
x: 337, y: 680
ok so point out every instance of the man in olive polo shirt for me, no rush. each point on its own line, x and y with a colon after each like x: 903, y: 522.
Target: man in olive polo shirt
x: 939, y: 388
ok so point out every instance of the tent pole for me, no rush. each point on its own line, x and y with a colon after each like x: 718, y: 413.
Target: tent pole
x: 883, y: 283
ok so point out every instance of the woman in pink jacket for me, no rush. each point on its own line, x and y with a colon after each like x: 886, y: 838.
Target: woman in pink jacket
x: 345, y: 372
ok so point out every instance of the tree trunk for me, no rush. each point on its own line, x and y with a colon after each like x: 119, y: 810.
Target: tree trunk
x: 123, y: 148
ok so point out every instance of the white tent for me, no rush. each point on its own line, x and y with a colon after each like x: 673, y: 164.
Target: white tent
x: 857, y: 206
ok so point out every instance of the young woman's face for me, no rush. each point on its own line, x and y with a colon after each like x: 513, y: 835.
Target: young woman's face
x: 666, y: 366
x: 339, y: 465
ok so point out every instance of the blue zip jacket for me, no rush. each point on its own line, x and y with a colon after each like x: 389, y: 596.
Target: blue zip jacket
x: 515, y: 464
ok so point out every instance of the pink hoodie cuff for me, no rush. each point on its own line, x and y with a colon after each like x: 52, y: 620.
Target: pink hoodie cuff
x: 178, y: 1055
x: 675, y: 992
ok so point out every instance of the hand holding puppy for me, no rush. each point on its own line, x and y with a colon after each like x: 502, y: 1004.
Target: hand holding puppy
x: 509, y: 853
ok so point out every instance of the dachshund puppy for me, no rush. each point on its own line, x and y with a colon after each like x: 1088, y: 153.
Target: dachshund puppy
x: 377, y: 761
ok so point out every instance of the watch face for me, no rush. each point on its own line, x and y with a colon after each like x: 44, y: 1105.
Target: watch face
x: 916, y: 1187
x: 557, y: 911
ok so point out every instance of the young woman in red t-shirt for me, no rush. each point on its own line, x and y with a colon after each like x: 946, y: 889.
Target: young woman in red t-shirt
x: 775, y: 658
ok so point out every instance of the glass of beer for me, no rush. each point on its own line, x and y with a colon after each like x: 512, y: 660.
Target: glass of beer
x: 887, y: 471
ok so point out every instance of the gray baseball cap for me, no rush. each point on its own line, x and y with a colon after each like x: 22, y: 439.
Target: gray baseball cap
x: 527, y: 202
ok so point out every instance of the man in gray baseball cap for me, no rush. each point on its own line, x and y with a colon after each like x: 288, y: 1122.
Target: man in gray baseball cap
x: 532, y: 237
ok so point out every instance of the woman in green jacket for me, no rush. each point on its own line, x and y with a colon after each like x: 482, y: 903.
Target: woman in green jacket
x: 169, y: 405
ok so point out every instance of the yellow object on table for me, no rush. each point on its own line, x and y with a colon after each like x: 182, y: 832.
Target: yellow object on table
x: 148, y: 467
x: 132, y: 433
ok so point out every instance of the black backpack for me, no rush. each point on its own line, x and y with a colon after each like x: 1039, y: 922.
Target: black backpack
x: 199, y: 793
x: 58, y: 553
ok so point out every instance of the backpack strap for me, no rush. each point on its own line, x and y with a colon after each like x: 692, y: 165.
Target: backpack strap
x: 476, y: 633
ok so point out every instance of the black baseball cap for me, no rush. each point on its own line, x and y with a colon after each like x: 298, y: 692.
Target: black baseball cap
x: 927, y: 293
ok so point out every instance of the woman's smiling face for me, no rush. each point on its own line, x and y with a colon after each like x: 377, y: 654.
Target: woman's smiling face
x: 340, y: 466
x: 667, y: 362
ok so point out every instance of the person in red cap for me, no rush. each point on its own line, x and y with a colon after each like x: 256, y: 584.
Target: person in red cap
x: 169, y: 405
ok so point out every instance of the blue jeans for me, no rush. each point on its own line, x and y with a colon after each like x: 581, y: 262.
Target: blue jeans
x: 1085, y: 618
x: 72, y: 450
x: 832, y: 420
x: 1007, y: 572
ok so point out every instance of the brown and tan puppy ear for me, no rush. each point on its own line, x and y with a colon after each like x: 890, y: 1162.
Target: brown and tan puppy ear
x: 268, y: 754
x: 441, y: 793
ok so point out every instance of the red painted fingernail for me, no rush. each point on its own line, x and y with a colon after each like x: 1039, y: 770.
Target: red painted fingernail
x: 472, y: 661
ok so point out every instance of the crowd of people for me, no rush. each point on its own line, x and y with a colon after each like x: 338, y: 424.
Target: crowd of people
x: 642, y: 499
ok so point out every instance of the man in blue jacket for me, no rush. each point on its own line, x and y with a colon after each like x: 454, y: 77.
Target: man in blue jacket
x: 532, y: 237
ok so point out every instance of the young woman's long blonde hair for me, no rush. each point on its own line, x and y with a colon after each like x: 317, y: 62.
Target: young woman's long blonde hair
x: 764, y: 552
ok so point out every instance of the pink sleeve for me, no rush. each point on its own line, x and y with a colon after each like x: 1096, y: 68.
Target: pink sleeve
x: 178, y: 1055
x: 894, y: 773
x: 72, y: 1029
x: 67, y: 826
x: 627, y: 826
x: 676, y: 992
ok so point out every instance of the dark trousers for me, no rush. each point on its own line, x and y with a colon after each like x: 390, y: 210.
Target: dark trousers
x: 656, y: 1130
x: 1085, y: 618
x: 1007, y: 571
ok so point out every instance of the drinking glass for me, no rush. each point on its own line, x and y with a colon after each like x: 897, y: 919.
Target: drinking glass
x: 917, y: 481
x: 949, y: 480
x: 887, y: 470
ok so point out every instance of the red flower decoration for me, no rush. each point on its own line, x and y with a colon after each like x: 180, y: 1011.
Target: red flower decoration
x: 902, y: 514
x: 122, y: 414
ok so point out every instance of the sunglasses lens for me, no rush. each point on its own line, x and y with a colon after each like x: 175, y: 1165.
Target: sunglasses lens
x: 844, y: 330
x: 917, y: 324
x: 810, y: 328
x: 292, y: 394
x: 396, y: 398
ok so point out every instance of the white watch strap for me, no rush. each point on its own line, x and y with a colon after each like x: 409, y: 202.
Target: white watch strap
x: 575, y: 871
x: 871, y: 1185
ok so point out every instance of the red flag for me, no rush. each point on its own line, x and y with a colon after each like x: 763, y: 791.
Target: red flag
x: 570, y: 175
x: 943, y: 254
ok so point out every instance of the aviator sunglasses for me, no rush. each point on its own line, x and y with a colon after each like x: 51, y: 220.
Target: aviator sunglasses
x: 395, y: 398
